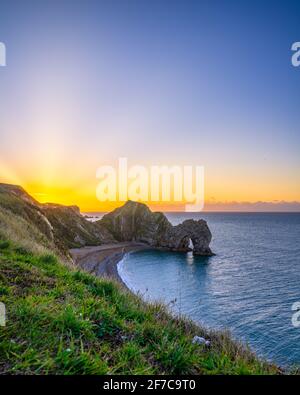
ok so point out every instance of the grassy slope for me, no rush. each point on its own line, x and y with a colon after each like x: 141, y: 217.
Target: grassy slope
x: 45, y: 227
x: 63, y: 321
x: 21, y: 223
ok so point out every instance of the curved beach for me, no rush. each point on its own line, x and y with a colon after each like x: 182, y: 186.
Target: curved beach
x: 102, y: 261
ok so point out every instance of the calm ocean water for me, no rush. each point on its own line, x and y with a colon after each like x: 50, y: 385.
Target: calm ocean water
x: 248, y: 287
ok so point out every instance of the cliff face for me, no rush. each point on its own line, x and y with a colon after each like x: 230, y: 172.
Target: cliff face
x: 72, y: 229
x: 51, y: 226
x: 22, y: 220
x: 135, y: 222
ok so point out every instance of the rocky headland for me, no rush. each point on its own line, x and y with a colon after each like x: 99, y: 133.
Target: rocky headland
x: 135, y: 222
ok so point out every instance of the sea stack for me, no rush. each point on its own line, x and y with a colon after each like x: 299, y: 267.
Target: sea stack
x: 136, y: 222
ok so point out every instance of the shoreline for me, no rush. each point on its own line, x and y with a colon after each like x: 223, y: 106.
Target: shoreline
x: 102, y: 261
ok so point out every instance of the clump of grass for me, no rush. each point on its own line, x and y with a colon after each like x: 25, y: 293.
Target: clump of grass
x: 64, y: 321
x: 72, y: 361
x: 48, y: 259
x: 4, y: 244
x: 22, y: 250
x: 4, y: 290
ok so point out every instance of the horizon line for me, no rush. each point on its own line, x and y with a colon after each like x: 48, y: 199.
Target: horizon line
x: 206, y: 211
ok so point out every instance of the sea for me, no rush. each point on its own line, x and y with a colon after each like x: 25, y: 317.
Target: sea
x: 251, y: 287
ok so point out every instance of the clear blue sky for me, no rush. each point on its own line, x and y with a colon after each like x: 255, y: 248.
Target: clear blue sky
x: 161, y: 82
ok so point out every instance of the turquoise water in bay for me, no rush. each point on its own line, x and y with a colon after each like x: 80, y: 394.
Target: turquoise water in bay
x: 249, y: 287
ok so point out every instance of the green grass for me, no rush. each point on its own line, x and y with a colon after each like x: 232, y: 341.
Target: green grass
x: 64, y: 321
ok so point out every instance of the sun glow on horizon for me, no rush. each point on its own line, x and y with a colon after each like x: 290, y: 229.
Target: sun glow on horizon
x: 57, y: 183
x: 84, y: 196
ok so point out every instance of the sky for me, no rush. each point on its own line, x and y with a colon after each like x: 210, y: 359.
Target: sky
x: 206, y: 83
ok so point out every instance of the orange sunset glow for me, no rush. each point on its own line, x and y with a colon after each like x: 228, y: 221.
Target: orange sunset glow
x: 61, y: 185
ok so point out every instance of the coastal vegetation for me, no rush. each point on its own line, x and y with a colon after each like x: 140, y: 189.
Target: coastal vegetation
x: 61, y: 320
